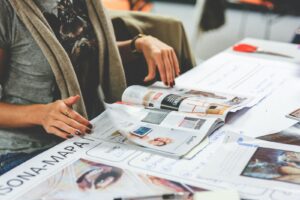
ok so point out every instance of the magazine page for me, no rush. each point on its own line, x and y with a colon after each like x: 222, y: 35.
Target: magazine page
x: 85, y: 179
x: 244, y: 160
x: 201, y: 102
x: 161, y: 131
x: 236, y: 73
x: 48, y: 166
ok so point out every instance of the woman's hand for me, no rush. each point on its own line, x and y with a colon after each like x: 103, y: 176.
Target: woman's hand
x: 159, y: 55
x: 60, y: 119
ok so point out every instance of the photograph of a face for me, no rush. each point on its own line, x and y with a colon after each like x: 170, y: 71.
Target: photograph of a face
x: 274, y: 164
x: 86, y: 179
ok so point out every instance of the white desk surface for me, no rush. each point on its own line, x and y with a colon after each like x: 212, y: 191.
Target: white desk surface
x: 263, y: 118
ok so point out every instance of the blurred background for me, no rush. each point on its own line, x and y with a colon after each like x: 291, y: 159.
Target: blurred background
x: 214, y: 25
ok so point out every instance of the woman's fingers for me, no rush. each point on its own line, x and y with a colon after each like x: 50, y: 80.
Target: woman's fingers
x: 60, y: 133
x: 71, y: 100
x: 161, y: 56
x: 75, y: 125
x: 161, y: 68
x: 168, y: 68
x: 151, y: 71
x: 66, y: 128
x: 172, y: 68
x: 176, y: 63
x: 69, y: 112
x: 60, y: 119
x: 75, y: 116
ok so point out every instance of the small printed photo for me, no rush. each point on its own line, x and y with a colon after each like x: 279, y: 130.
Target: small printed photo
x: 217, y: 109
x: 172, y: 102
x: 295, y: 114
x: 192, y: 123
x: 160, y: 141
x: 274, y: 164
x: 147, y: 98
x: 236, y: 101
x: 141, y: 131
x: 156, y: 116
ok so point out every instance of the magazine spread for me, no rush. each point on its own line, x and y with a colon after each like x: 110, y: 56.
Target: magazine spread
x: 199, y: 102
x: 171, y: 121
x: 160, y: 131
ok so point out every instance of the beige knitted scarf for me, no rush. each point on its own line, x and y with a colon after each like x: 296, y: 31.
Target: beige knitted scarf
x: 111, y: 73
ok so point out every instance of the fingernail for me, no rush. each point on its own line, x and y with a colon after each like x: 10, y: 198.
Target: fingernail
x: 78, y: 133
x: 70, y: 136
x: 88, y: 131
x: 174, y: 83
x: 90, y: 126
x: 165, y: 83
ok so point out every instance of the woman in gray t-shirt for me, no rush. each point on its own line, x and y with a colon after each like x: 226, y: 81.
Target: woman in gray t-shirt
x: 30, y: 104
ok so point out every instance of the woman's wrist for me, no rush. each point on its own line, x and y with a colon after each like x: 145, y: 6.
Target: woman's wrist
x: 35, y: 114
x: 138, y: 42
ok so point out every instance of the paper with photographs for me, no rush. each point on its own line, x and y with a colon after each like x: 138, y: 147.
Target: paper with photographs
x: 86, y: 179
x: 289, y: 136
x: 160, y: 131
x: 92, y: 149
x: 201, y: 102
x: 256, y: 162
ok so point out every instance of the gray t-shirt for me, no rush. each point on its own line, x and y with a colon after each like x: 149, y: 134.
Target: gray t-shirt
x: 28, y: 80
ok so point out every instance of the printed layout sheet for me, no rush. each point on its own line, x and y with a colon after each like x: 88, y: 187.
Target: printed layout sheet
x: 231, y: 73
x: 160, y: 131
x: 90, y: 167
x: 256, y: 162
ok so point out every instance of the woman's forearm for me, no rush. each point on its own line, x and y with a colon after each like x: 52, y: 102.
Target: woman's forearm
x: 17, y: 116
x: 56, y: 118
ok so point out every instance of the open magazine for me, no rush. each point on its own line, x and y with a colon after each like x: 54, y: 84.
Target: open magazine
x: 200, y: 102
x: 171, y: 121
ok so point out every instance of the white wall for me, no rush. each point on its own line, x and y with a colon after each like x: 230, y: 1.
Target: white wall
x: 239, y: 24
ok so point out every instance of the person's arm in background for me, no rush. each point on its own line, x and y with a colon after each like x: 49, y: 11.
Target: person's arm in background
x: 158, y: 55
x: 51, y: 116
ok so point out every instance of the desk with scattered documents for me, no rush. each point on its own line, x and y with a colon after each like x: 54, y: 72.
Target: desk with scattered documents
x: 246, y: 154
